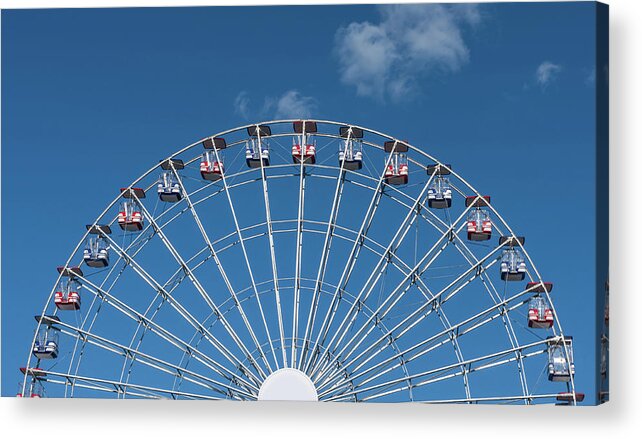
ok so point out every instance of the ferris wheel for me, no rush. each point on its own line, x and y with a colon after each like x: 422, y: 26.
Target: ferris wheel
x: 301, y: 260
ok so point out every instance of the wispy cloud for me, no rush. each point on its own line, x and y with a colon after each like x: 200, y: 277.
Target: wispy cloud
x: 547, y: 72
x: 590, y: 77
x: 242, y: 105
x: 290, y: 105
x: 293, y: 104
x: 388, y: 58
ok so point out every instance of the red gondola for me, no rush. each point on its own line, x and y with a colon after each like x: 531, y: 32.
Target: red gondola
x: 540, y: 315
x: 397, y: 169
x: 304, y: 150
x: 211, y: 166
x: 130, y: 216
x: 67, y: 296
x: 35, y: 390
x: 479, y: 225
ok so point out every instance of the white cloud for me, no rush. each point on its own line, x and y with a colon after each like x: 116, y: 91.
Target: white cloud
x: 242, y: 105
x: 290, y: 105
x: 366, y: 55
x: 387, y: 59
x: 268, y: 104
x: 547, y: 72
x: 469, y: 12
x: 293, y: 105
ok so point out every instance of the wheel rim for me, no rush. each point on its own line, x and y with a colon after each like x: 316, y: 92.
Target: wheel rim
x: 329, y: 334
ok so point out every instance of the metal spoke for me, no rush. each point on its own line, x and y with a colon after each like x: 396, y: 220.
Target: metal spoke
x: 165, y: 334
x: 449, y: 333
x: 118, y: 387
x: 299, y: 244
x: 275, y: 275
x: 237, y: 339
x: 397, y: 293
x: 512, y: 337
x: 183, y: 312
x: 486, y: 281
x: 249, y: 267
x: 418, y: 315
x: 446, y: 368
x: 345, y: 275
x: 467, y: 364
x: 143, y: 240
x: 418, y: 206
x: 219, y: 265
x: 497, y: 399
x: 147, y: 359
x: 323, y: 262
x: 378, y: 270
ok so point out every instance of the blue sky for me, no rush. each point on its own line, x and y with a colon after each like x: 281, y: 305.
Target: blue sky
x: 92, y: 98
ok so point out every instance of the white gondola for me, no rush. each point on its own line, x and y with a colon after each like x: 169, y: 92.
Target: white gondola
x: 212, y: 167
x: 513, y: 265
x: 304, y: 149
x: 96, y: 252
x: 478, y: 226
x: 560, y: 368
x: 257, y: 151
x: 397, y: 169
x: 130, y: 216
x: 169, y: 189
x: 67, y: 295
x: 46, y: 344
x: 351, y: 155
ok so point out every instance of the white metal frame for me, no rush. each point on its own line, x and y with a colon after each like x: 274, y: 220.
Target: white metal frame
x: 344, y: 361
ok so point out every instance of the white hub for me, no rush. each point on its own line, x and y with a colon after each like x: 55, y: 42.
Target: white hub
x: 288, y: 385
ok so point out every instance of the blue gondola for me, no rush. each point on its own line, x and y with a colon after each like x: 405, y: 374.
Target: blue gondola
x: 513, y: 265
x: 46, y: 345
x: 439, y: 193
x: 96, y: 252
x: 560, y: 367
x: 169, y: 189
x: 257, y: 151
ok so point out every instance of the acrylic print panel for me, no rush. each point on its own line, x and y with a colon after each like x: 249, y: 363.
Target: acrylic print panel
x: 363, y: 203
